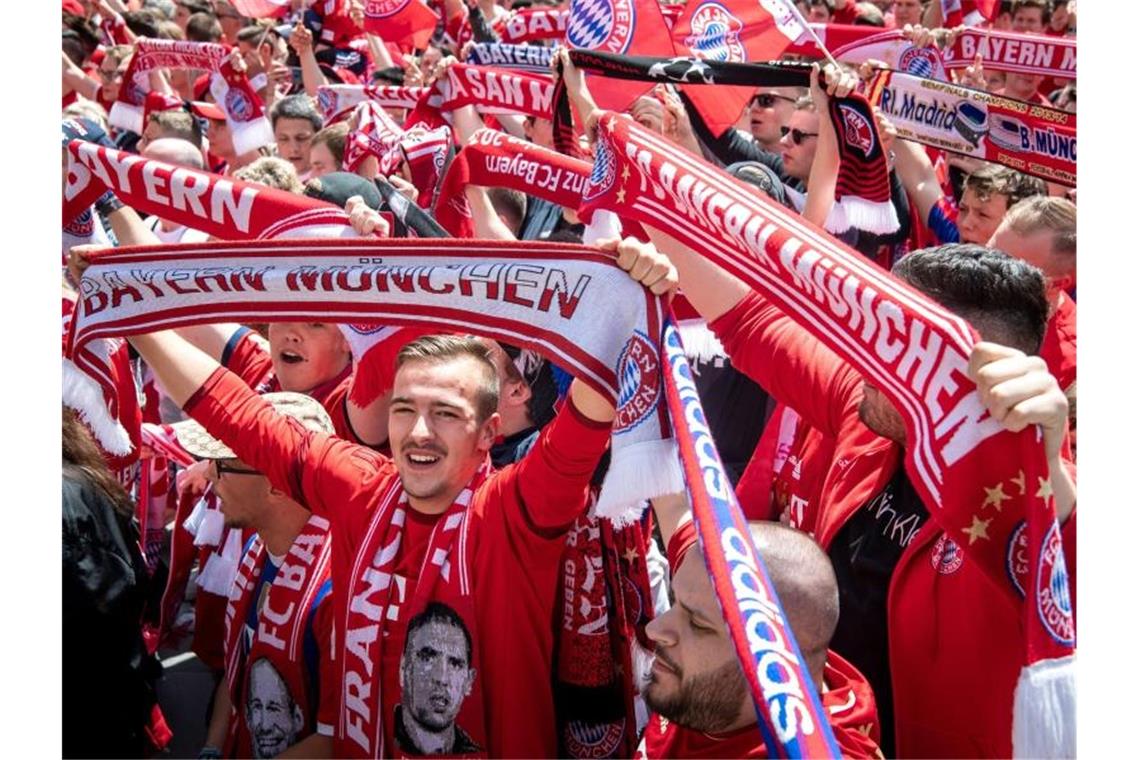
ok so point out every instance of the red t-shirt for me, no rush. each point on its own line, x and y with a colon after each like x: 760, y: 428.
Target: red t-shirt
x: 247, y: 356
x: 1059, y: 348
x: 520, y: 518
x: 851, y: 712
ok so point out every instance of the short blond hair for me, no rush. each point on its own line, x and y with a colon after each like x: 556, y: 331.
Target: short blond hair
x: 272, y: 171
x: 1045, y: 213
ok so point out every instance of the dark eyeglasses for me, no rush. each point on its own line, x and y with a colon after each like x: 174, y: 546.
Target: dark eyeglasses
x: 221, y: 468
x: 798, y: 137
x: 767, y: 100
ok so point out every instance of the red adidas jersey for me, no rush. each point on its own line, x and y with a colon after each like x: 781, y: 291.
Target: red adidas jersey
x: 850, y: 708
x: 522, y: 514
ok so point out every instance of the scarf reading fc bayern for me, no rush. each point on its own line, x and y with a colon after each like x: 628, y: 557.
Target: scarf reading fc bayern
x: 958, y: 456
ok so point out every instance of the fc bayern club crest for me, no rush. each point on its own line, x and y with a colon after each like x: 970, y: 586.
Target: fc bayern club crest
x: 1017, y: 558
x: 593, y: 740
x: 1054, y: 607
x: 946, y: 557
x: 604, y: 172
x: 326, y: 101
x: 922, y: 62
x: 715, y: 34
x: 639, y: 382
x: 238, y: 105
x: 604, y: 25
x: 383, y: 8
x: 858, y: 132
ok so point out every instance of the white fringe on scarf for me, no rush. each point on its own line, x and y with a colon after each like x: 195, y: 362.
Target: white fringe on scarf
x: 84, y: 395
x: 1045, y: 710
x: 217, y: 577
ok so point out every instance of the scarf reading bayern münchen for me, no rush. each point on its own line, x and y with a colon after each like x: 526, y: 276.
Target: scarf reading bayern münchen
x: 569, y: 302
x: 915, y: 351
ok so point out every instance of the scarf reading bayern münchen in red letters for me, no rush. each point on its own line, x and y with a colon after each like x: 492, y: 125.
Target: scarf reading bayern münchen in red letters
x: 882, y: 327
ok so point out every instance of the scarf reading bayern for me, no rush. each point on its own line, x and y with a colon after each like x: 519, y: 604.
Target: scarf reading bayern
x: 915, y: 351
x: 245, y: 115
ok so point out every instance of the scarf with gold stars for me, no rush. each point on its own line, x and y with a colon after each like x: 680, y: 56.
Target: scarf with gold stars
x: 916, y: 352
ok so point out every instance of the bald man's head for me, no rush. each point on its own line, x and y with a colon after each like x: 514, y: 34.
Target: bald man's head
x: 174, y: 150
x: 696, y: 679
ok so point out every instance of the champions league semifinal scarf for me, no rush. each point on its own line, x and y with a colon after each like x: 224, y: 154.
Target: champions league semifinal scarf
x: 496, y: 159
x: 224, y: 207
x: 282, y: 612
x: 337, y: 101
x: 231, y: 89
x: 1033, y: 139
x: 863, y: 189
x: 568, y: 302
x: 906, y: 345
x: 529, y: 58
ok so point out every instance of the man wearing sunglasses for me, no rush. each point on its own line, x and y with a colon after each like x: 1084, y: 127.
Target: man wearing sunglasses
x: 282, y: 564
x: 769, y: 111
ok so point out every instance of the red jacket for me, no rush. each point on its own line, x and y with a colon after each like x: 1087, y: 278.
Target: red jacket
x: 522, y: 514
x: 953, y: 670
x: 850, y: 708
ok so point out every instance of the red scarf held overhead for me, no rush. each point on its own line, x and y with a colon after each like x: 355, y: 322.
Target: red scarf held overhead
x: 956, y: 452
x: 532, y: 24
x: 1033, y: 54
x: 494, y: 91
x: 376, y: 134
x: 337, y: 101
x: 496, y: 159
x: 245, y: 115
x: 282, y: 613
x: 226, y: 208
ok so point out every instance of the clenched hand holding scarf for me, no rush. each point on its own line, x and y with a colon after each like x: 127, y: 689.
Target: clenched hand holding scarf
x: 884, y: 329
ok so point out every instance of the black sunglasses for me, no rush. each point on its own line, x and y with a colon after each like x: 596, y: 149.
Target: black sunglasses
x: 767, y: 100
x: 798, y: 137
x: 222, y: 468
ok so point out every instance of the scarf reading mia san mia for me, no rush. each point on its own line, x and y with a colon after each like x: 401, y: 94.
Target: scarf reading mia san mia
x: 955, y: 448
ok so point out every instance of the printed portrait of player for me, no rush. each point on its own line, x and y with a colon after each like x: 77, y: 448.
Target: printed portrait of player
x: 435, y: 677
x: 274, y: 719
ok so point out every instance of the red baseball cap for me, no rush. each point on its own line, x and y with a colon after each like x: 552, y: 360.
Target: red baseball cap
x: 208, y: 111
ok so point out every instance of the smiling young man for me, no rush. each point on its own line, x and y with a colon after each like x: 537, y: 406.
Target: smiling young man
x: 430, y: 524
x: 273, y: 690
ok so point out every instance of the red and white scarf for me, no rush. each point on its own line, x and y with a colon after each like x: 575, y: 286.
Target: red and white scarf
x: 369, y: 694
x: 1031, y: 138
x: 282, y: 612
x: 568, y: 302
x: 337, y: 101
x: 495, y: 91
x: 224, y: 207
x: 531, y: 24
x: 376, y: 135
x: 897, y: 52
x: 883, y: 328
x: 496, y: 159
x: 1012, y: 51
x: 231, y: 90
